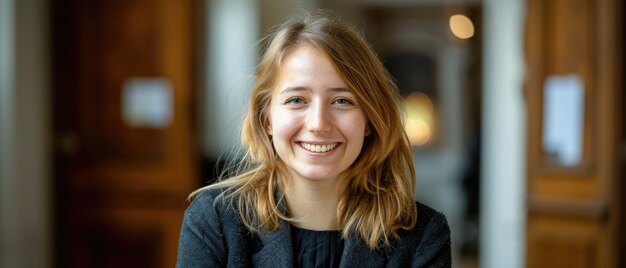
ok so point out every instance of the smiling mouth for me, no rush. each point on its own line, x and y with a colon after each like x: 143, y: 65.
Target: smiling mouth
x: 319, y: 148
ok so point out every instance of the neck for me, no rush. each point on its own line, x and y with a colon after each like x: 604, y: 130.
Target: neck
x: 313, y: 204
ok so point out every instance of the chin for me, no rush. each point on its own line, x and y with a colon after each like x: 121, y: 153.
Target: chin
x: 318, y: 175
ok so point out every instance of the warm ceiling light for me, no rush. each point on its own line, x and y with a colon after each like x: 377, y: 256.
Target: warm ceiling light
x: 419, y: 123
x: 461, y: 26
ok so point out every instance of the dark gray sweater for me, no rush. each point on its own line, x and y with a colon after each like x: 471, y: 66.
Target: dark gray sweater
x: 212, y: 235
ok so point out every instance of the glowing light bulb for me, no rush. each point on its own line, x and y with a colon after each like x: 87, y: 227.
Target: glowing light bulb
x: 461, y: 26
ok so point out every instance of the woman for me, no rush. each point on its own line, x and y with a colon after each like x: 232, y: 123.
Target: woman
x: 328, y: 178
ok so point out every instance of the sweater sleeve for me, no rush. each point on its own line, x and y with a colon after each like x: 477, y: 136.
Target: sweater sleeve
x: 434, y: 247
x: 201, y: 242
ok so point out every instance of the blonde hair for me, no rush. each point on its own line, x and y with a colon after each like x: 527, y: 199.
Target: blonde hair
x: 379, y: 185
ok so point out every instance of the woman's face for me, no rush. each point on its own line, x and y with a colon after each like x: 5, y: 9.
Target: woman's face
x: 317, y: 126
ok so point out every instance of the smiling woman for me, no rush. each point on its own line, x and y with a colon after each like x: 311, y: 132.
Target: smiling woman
x: 318, y: 129
x: 328, y: 178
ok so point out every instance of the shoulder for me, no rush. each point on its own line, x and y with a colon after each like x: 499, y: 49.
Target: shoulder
x: 206, y: 196
x: 211, y: 212
x: 427, y: 244
x: 430, y: 238
x: 210, y: 231
x: 431, y: 224
x: 430, y: 219
x: 209, y: 204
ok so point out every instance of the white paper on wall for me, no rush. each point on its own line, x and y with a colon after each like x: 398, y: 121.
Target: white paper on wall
x: 563, y: 118
x: 147, y: 102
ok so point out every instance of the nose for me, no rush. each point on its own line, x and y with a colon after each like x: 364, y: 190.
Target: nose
x: 318, y: 119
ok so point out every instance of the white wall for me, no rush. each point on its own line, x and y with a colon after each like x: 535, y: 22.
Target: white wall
x: 229, y: 65
x: 8, y: 224
x: 25, y: 175
x: 503, y: 182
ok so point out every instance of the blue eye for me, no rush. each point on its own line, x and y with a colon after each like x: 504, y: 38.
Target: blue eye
x: 344, y: 101
x: 294, y: 100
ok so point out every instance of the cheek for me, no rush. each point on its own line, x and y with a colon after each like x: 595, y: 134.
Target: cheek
x: 356, y: 125
x: 283, y: 125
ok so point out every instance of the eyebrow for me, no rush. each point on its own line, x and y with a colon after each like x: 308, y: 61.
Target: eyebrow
x: 333, y: 89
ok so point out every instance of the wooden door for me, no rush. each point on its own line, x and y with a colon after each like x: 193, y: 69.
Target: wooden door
x: 574, y: 206
x: 122, y: 179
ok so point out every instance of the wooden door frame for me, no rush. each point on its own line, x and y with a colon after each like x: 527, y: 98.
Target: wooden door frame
x: 588, y: 197
x: 122, y: 199
x: 592, y: 194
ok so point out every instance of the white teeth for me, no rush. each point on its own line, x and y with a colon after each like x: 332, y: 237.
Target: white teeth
x: 319, y: 148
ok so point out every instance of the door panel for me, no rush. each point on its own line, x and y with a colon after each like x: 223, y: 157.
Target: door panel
x: 574, y: 210
x: 121, y: 187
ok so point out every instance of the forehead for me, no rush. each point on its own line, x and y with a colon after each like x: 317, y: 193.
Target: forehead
x: 308, y: 67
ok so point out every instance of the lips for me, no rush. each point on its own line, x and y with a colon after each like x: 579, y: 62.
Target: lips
x: 319, y: 148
